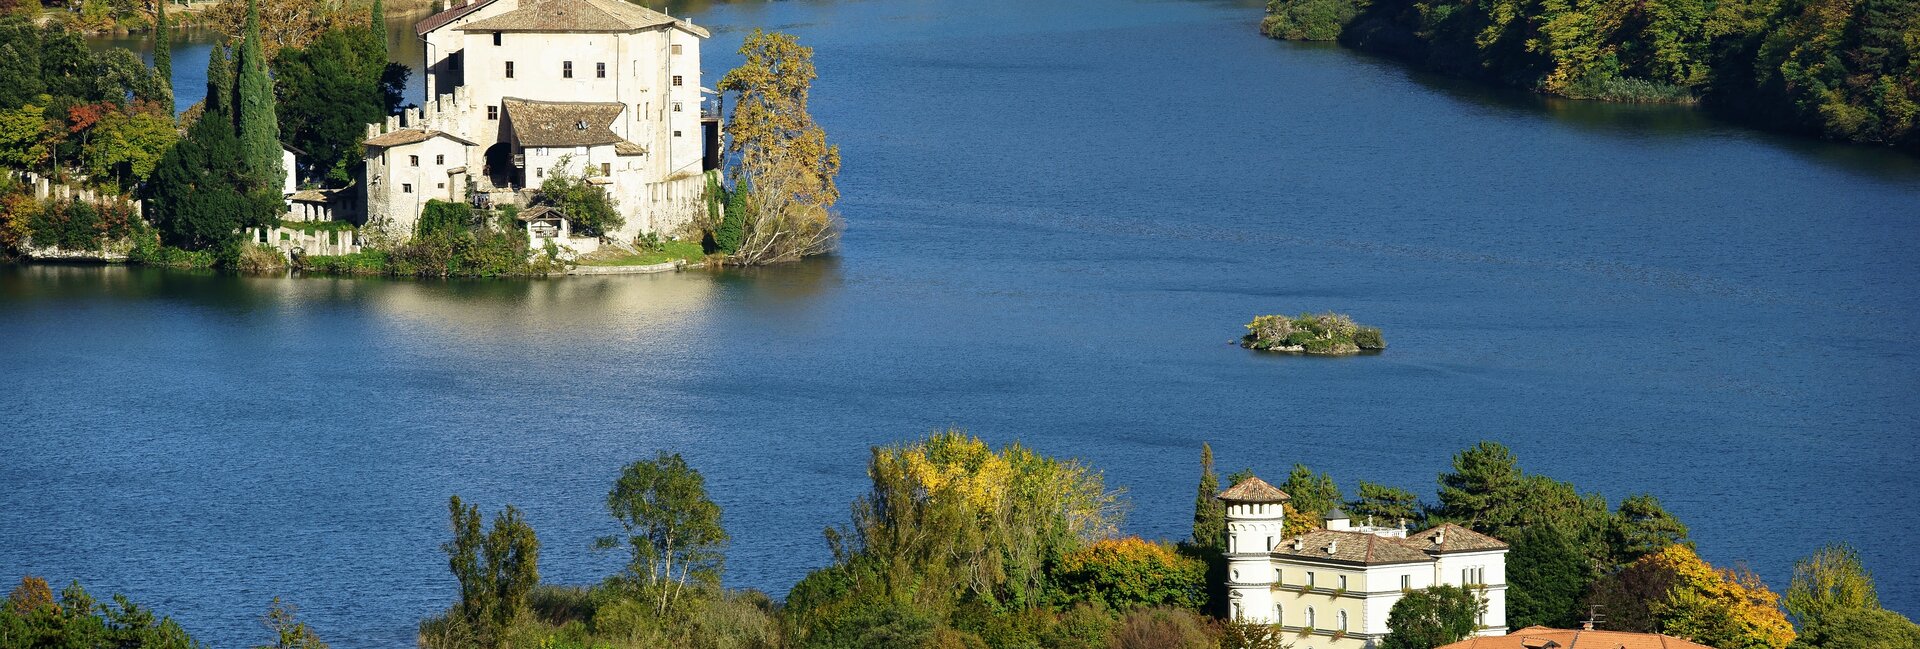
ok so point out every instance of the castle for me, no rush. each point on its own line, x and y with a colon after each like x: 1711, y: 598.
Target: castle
x: 1334, y: 586
x: 519, y: 90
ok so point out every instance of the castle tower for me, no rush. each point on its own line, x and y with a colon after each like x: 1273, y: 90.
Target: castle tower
x: 1256, y: 514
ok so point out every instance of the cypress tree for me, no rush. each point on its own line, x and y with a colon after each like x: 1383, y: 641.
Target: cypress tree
x: 219, y: 100
x: 1209, y: 514
x: 163, y: 44
x: 379, y: 33
x: 259, y: 127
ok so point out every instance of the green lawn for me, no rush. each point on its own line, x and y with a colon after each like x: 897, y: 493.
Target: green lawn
x: 669, y: 251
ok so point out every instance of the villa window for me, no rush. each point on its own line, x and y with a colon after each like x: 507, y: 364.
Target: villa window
x: 566, y: 69
x: 406, y: 188
x: 1343, y: 620
x: 440, y: 159
x: 676, y: 134
x: 1309, y: 579
x: 676, y: 107
x: 539, y: 172
x: 606, y: 168
x: 1343, y: 582
x: 440, y: 185
x: 496, y: 39
x: 509, y: 69
x: 493, y: 113
x: 1269, y: 544
x: 413, y: 160
x: 676, y: 48
x: 676, y: 80
x: 1406, y: 582
x: 600, y: 70
x: 1309, y: 617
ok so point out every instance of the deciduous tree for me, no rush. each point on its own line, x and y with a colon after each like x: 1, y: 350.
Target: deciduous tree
x: 672, y: 529
x: 779, y: 152
x: 1433, y: 616
x: 497, y: 569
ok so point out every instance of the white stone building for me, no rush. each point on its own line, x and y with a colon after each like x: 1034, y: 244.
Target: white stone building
x: 518, y: 88
x: 1333, y: 587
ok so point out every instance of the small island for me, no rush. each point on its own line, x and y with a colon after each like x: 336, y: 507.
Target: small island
x: 1326, y: 333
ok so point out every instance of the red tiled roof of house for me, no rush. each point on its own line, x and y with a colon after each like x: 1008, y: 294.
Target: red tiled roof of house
x: 1540, y: 637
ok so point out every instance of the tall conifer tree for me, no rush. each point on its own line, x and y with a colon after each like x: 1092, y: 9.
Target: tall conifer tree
x: 379, y: 32
x: 1209, y: 514
x: 219, y: 102
x: 163, y: 43
x: 259, y: 127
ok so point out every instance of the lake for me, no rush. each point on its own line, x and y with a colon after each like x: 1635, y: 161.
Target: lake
x: 1059, y: 216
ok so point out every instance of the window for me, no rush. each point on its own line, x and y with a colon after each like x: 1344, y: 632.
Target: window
x: 676, y: 134
x: 1309, y: 617
x: 606, y: 168
x: 493, y: 112
x: 1269, y: 544
x: 676, y: 80
x: 1343, y: 582
x: 1342, y: 617
x: 566, y: 69
x: 1406, y: 582
x: 539, y: 172
x: 496, y: 39
x: 509, y: 69
x: 676, y: 48
x: 600, y: 70
x: 406, y: 188
x: 263, y: 235
x: 413, y: 160
x: 1309, y: 580
x: 453, y: 62
x: 442, y: 159
x: 676, y: 107
x: 540, y: 151
x: 439, y: 185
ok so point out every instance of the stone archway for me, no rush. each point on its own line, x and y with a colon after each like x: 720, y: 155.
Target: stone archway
x: 500, y: 171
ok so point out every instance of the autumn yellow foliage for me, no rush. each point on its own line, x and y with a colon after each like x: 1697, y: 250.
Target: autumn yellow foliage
x: 1727, y: 609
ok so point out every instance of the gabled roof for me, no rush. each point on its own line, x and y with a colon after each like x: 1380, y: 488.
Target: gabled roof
x: 1350, y: 547
x: 1254, y: 490
x: 539, y: 213
x: 1540, y: 637
x: 562, y: 123
x: 441, y: 19
x: 408, y: 136
x: 624, y: 147
x: 580, y: 16
x: 1448, y: 537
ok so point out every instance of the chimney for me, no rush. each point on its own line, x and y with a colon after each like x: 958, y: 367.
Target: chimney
x: 1296, y: 543
x: 1586, y: 625
x: 1440, y: 537
x: 1332, y: 546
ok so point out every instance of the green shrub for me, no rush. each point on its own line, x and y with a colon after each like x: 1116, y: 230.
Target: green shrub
x: 1308, y: 20
x: 1162, y: 628
x: 1369, y: 338
x: 256, y: 258
x: 1130, y: 573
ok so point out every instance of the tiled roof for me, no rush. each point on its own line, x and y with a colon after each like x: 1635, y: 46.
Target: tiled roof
x: 562, y: 123
x: 439, y: 20
x: 579, y: 16
x: 309, y: 196
x: 1350, y: 547
x: 1449, y: 537
x: 1253, y: 490
x: 1539, y: 637
x: 408, y: 136
x: 628, y: 148
x: 539, y: 213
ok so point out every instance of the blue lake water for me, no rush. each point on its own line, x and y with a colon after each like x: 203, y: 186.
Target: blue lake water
x: 1059, y: 215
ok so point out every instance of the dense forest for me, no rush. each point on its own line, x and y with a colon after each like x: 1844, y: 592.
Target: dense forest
x: 1841, y: 69
x: 963, y: 545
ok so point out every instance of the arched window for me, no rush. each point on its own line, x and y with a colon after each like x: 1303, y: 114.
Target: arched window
x: 1309, y: 617
x: 1343, y: 620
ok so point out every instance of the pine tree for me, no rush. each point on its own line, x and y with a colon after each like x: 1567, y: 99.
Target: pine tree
x: 259, y: 128
x: 1209, y: 514
x: 163, y: 43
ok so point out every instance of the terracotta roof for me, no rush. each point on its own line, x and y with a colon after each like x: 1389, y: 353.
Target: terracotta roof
x: 408, y: 136
x: 441, y: 19
x: 1254, y: 490
x: 309, y: 196
x: 579, y: 16
x: 624, y: 147
x: 1449, y: 537
x: 1350, y: 547
x: 562, y: 123
x: 1539, y: 637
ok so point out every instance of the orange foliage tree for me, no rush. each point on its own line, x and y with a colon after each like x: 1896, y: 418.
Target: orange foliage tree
x: 1673, y: 591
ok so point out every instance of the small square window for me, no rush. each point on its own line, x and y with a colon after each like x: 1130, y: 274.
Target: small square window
x: 539, y: 172
x: 440, y: 159
x: 676, y: 134
x: 1406, y: 582
x: 413, y: 160
x: 600, y: 70
x: 496, y: 39
x: 676, y: 48
x: 566, y: 69
x: 676, y: 80
x: 439, y: 185
x: 606, y: 168
x: 406, y: 188
x: 493, y: 112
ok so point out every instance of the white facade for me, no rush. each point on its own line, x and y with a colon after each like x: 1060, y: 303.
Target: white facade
x: 1333, y: 588
x: 606, y: 87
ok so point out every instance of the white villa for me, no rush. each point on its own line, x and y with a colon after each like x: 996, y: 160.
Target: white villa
x: 517, y: 88
x: 1333, y: 587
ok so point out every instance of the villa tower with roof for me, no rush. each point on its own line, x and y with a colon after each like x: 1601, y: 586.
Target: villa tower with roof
x: 1333, y: 587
